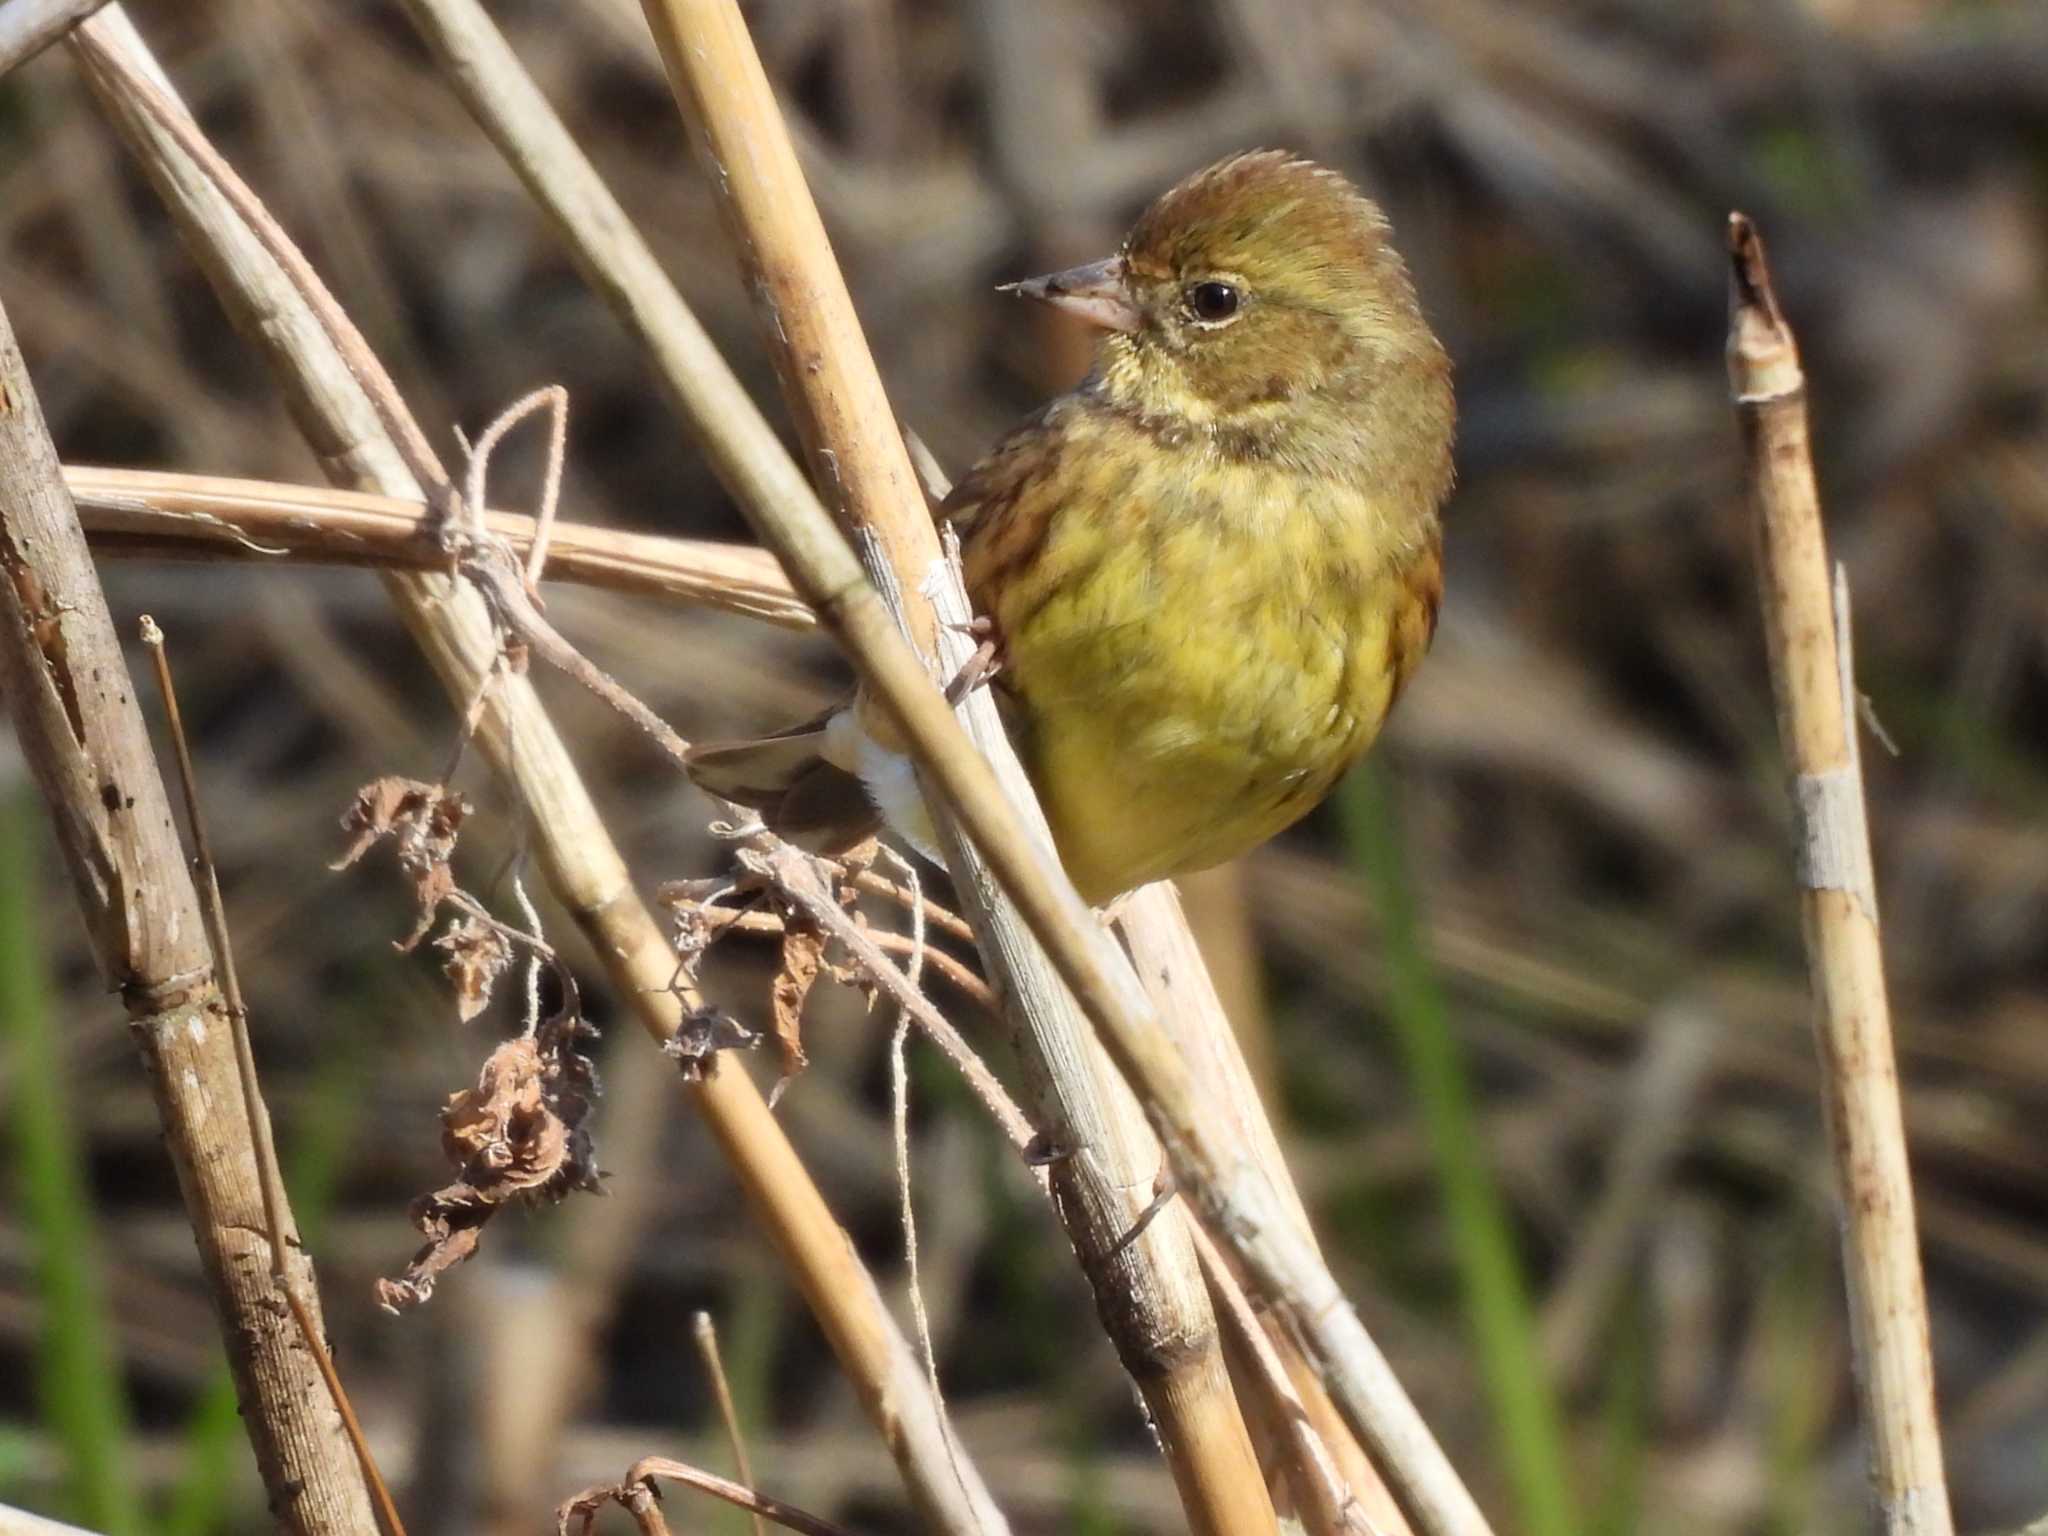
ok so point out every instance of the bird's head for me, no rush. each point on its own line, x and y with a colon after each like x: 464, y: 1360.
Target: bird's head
x: 1251, y: 295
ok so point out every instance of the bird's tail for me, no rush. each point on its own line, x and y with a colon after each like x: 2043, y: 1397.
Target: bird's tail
x: 794, y: 781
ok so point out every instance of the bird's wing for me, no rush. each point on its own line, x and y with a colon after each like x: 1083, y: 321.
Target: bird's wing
x: 789, y: 778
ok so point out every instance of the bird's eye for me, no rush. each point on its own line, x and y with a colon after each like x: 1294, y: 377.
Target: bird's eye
x: 1212, y: 301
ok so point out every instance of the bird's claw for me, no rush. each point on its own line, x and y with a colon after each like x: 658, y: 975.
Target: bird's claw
x: 1041, y: 1152
x: 982, y: 667
x: 1164, y: 1187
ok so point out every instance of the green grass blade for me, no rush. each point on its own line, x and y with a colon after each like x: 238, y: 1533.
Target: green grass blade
x: 79, y: 1390
x: 1625, y: 1422
x: 206, y: 1482
x: 1495, y: 1297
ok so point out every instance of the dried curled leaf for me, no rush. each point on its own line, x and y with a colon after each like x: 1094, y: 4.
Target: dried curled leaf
x: 640, y: 1500
x: 477, y: 956
x: 704, y: 1033
x: 698, y: 922
x: 640, y: 1495
x: 803, y: 956
x: 422, y: 820
x: 691, y: 926
x: 518, y: 1134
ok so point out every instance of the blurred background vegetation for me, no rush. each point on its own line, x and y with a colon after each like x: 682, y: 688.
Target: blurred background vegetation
x: 1529, y: 996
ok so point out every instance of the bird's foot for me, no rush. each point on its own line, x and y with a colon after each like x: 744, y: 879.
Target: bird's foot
x: 983, y: 666
x: 1164, y: 1188
x: 1042, y: 1152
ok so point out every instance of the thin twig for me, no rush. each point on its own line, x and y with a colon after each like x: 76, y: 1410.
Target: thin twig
x: 957, y: 975
x: 270, y: 1176
x: 795, y: 875
x: 706, y: 1334
x: 899, y: 1095
x: 918, y: 908
x: 923, y: 909
x: 643, y: 1473
x: 534, y: 958
x: 555, y: 401
x: 899, y: 1115
x: 1806, y: 624
x: 490, y: 567
x: 906, y: 1202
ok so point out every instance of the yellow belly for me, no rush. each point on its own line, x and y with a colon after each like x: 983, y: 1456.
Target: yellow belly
x: 1186, y: 685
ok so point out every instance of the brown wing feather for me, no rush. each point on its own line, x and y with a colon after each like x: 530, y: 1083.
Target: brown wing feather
x: 814, y: 803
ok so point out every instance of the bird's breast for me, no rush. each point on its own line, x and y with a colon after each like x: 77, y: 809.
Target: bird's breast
x: 1196, y: 651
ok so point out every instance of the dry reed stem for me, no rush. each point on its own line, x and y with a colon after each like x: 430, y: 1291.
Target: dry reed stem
x: 581, y: 864
x: 19, y: 1522
x: 742, y: 448
x: 1324, y: 1501
x: 1330, y: 1502
x: 1814, y: 688
x: 27, y: 27
x: 162, y: 514
x: 270, y: 1177
x: 1149, y: 1290
x: 78, y: 722
x: 854, y: 442
x: 1332, y: 1497
x: 1169, y: 962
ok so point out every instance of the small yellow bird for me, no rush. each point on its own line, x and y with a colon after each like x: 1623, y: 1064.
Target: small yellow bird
x: 1211, y: 568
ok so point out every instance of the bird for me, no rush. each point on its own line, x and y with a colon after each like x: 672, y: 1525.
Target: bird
x: 1209, y: 570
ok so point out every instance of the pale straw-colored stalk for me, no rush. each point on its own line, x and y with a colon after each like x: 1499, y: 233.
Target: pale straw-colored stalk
x: 141, y: 512
x: 1805, y: 614
x: 27, y: 27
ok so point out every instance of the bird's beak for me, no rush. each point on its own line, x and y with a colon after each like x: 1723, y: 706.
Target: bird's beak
x: 1095, y: 293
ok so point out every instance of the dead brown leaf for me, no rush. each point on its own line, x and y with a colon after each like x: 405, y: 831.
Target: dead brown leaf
x: 518, y: 1134
x: 704, y: 1033
x: 691, y: 929
x: 422, y: 820
x: 477, y: 956
x: 803, y: 956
